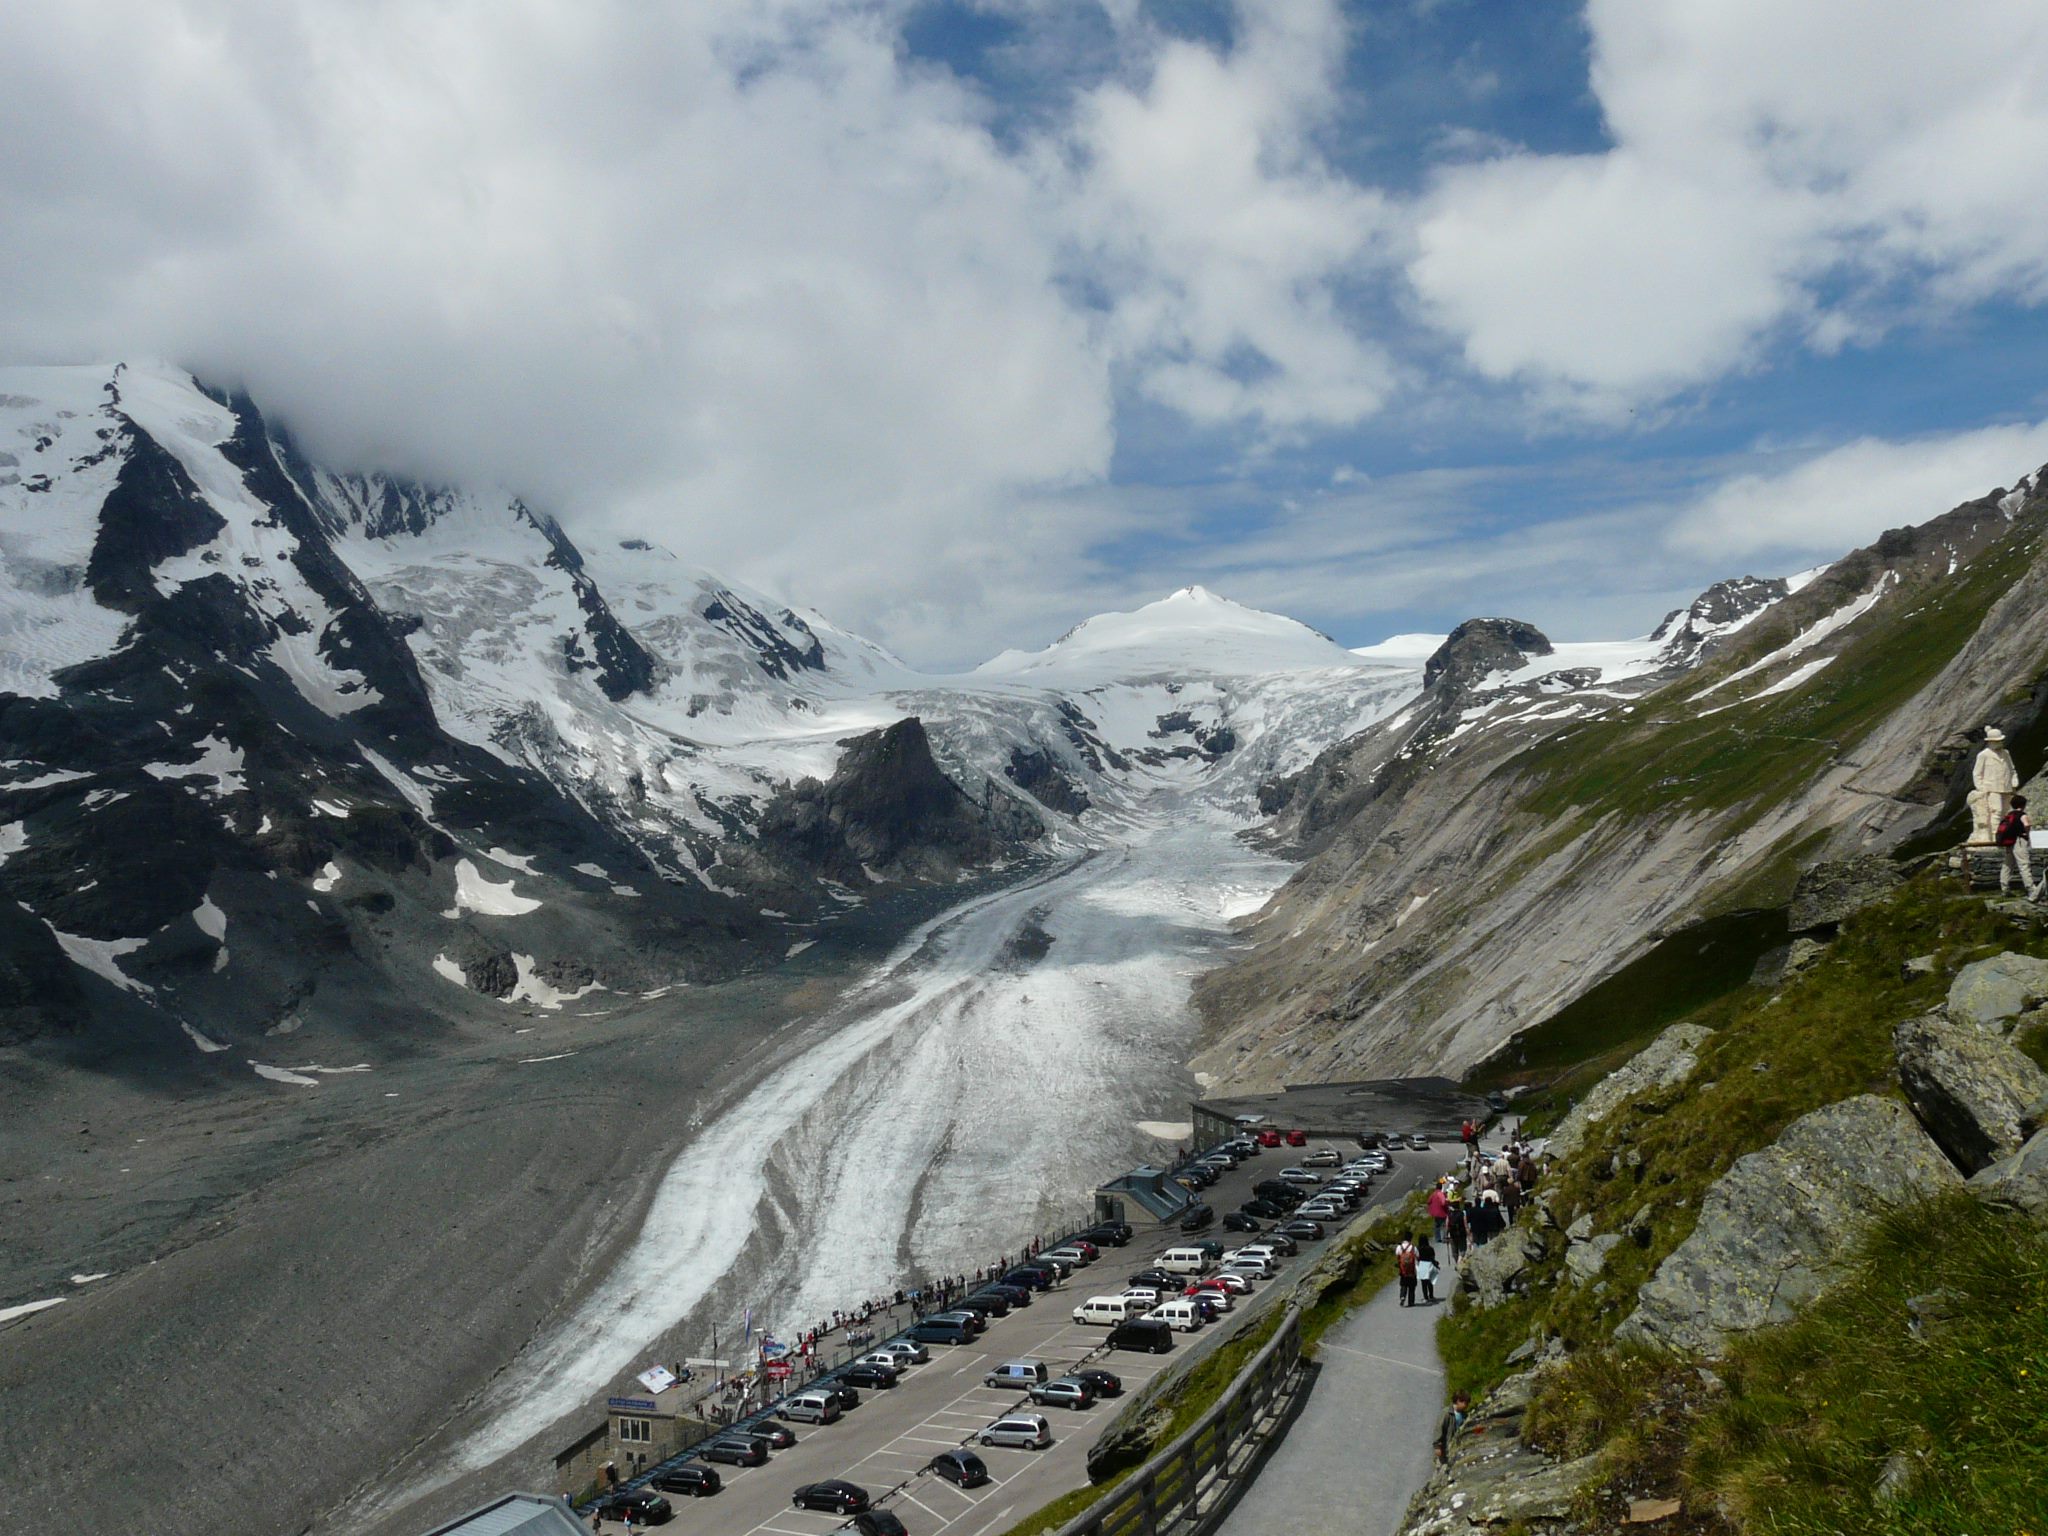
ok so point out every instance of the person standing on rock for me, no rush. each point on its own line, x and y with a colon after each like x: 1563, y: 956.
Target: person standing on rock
x: 1405, y: 1260
x: 2016, y: 849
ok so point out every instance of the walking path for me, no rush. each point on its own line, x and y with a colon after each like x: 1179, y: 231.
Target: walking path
x: 1350, y: 1464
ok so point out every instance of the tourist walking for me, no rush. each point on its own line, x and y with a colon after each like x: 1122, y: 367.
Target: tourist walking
x: 1405, y: 1259
x: 2016, y: 850
x: 1425, y: 1270
x: 1439, y: 1207
x: 1460, y: 1235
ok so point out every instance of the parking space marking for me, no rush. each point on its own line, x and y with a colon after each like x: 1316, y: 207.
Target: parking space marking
x: 952, y: 1444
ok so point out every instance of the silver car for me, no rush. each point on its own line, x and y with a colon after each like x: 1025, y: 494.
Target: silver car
x: 1028, y: 1430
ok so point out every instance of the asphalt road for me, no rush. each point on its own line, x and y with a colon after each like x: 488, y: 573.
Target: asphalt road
x: 885, y: 1443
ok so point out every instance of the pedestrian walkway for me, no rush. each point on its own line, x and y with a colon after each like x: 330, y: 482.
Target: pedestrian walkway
x: 1360, y: 1449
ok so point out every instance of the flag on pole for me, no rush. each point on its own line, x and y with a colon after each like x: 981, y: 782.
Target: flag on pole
x: 750, y: 1326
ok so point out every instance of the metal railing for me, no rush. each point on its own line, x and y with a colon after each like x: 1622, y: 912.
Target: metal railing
x: 1187, y: 1485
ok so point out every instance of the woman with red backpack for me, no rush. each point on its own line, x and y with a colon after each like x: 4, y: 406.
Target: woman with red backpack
x: 2016, y: 849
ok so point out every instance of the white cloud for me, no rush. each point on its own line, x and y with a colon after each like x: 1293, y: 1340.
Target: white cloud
x: 1824, y: 169
x: 1834, y: 501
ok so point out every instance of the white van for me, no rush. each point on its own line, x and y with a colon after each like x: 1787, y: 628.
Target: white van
x: 1106, y: 1310
x: 1184, y: 1261
x: 1021, y: 1374
x: 1182, y: 1316
x: 810, y: 1408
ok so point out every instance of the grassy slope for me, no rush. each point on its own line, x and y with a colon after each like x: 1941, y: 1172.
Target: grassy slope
x: 1823, y: 1037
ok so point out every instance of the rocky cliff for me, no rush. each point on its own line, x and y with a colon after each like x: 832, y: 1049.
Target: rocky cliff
x: 1516, y: 832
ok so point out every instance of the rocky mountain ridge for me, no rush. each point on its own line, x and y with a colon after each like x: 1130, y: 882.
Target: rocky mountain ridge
x: 1484, y: 855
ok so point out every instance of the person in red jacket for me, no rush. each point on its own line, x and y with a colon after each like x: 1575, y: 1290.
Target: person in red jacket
x: 1439, y: 1208
x: 2016, y: 849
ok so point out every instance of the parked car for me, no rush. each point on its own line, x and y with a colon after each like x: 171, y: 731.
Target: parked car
x: 1017, y: 1374
x: 700, y: 1482
x: 1369, y: 1141
x: 1321, y: 1210
x: 1261, y: 1207
x: 1210, y: 1248
x: 1141, y: 1296
x: 1279, y: 1242
x: 1417, y: 1142
x: 737, y: 1450
x: 841, y: 1392
x: 1209, y: 1305
x: 1323, y: 1157
x: 1031, y: 1277
x: 879, y: 1522
x: 909, y: 1349
x: 1073, y: 1258
x: 812, y: 1407
x: 963, y: 1469
x: 975, y: 1324
x: 1276, y: 1189
x: 1105, y: 1383
x: 1142, y: 1335
x: 1246, y: 1146
x: 1156, y: 1279
x: 984, y: 1304
x: 1238, y: 1221
x: 1267, y: 1138
x: 834, y: 1493
x: 1026, y: 1430
x: 639, y: 1504
x: 1112, y: 1233
x: 933, y: 1331
x: 1302, y: 1228
x: 1220, y: 1295
x: 1015, y: 1295
x: 1297, y: 1138
x: 1064, y: 1393
x: 1237, y: 1285
x: 1301, y: 1176
x: 1497, y: 1102
x: 865, y: 1373
x: 1198, y: 1217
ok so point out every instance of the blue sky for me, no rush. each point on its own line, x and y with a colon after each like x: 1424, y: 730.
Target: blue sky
x: 963, y: 319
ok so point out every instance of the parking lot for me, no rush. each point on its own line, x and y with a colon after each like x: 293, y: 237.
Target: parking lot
x: 885, y: 1444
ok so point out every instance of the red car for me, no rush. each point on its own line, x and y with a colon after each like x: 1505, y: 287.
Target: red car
x: 1297, y: 1138
x: 1268, y: 1138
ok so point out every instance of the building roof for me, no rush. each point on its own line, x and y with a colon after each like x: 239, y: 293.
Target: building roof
x: 1433, y: 1105
x: 516, y: 1514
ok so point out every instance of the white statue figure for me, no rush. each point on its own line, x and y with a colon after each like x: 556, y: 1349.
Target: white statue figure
x: 1994, y: 782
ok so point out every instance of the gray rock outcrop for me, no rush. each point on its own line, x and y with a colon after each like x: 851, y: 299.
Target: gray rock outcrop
x: 1773, y: 1223
x: 1494, y: 1480
x: 1992, y: 993
x: 1659, y: 1066
x: 2018, y: 1182
x: 1972, y: 1091
x: 1831, y: 891
x: 1585, y: 1260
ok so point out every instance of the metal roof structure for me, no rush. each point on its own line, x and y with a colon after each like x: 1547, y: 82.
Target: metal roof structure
x: 515, y: 1514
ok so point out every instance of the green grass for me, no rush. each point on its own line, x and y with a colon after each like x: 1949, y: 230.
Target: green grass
x: 1064, y: 1508
x: 1814, y: 1409
x: 1825, y: 1036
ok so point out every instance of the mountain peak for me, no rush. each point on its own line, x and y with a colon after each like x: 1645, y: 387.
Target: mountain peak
x: 1189, y: 630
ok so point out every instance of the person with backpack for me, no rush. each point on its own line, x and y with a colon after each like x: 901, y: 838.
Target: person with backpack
x: 2016, y: 850
x: 1405, y: 1260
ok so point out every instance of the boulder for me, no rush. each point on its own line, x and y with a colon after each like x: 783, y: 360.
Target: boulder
x: 1829, y: 892
x: 1992, y: 993
x: 1493, y: 1271
x: 1664, y: 1063
x: 1972, y: 1091
x: 1773, y: 1223
x: 1586, y: 1260
x: 2018, y: 1182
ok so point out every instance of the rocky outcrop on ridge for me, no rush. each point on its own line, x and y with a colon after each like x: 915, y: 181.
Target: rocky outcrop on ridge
x: 1771, y: 1225
x: 1974, y: 1093
x: 1991, y: 994
x: 1836, y: 888
x: 1660, y: 1066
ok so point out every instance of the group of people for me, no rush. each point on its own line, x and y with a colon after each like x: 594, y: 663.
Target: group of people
x: 1468, y: 1208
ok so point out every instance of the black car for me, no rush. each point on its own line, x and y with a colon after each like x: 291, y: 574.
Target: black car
x: 1302, y: 1228
x: 1282, y: 1242
x: 841, y: 1391
x: 879, y: 1522
x: 1144, y: 1334
x: 1031, y: 1278
x: 1015, y: 1295
x: 698, y: 1482
x: 1197, y: 1218
x: 647, y: 1507
x: 780, y: 1437
x: 1113, y: 1233
x: 1497, y: 1102
x: 865, y: 1375
x: 1205, y: 1303
x: 835, y: 1494
x: 1105, y: 1383
x: 1240, y: 1221
x: 1370, y: 1141
x: 961, y: 1468
x: 737, y: 1450
x: 1158, y: 1280
x: 985, y: 1304
x: 1211, y: 1249
x: 933, y: 1331
x: 973, y: 1322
